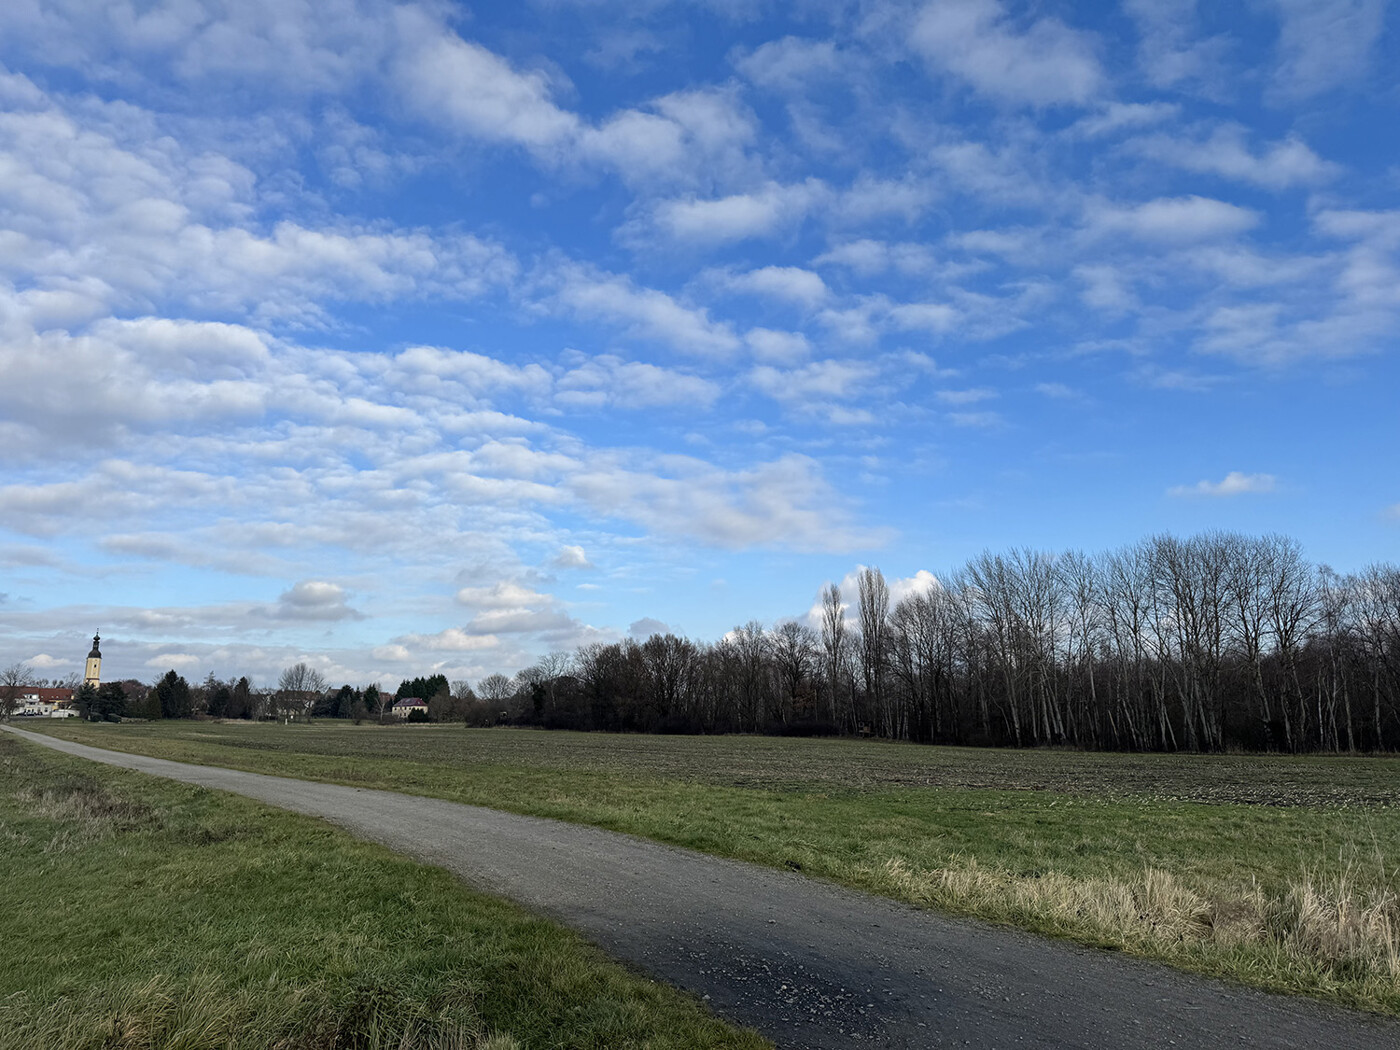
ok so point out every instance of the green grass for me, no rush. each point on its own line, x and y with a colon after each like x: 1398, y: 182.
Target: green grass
x: 141, y: 913
x: 1274, y: 871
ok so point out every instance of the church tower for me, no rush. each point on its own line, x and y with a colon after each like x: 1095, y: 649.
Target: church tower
x: 93, y: 675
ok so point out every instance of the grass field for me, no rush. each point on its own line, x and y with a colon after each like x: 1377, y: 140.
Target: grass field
x: 140, y: 913
x: 1279, y: 872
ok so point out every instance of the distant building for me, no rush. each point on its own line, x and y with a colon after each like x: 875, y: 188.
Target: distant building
x: 44, y: 702
x: 92, y: 675
x: 406, y: 707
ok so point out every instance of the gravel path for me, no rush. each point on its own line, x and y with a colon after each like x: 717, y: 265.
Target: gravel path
x: 806, y: 963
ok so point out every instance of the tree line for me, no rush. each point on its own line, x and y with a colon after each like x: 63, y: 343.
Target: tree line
x: 1218, y: 641
x: 1207, y: 643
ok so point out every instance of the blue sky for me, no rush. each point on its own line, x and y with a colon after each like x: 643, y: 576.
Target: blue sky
x: 421, y: 337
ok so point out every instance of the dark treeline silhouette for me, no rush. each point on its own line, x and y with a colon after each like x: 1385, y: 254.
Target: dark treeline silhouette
x: 1209, y: 643
x: 1202, y: 644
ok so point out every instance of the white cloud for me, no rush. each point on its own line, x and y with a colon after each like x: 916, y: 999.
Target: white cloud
x: 571, y: 556
x: 1170, y: 52
x: 868, y: 199
x: 1234, y: 483
x: 266, y: 45
x: 759, y: 213
x: 790, y: 65
x: 999, y: 171
x: 424, y: 369
x: 645, y: 313
x: 315, y: 600
x: 789, y: 283
x: 1122, y: 116
x: 1325, y: 43
x: 1381, y: 228
x: 685, y: 138
x: 462, y: 85
x: 1045, y: 64
x: 821, y: 380
x: 1225, y: 153
x: 1179, y: 220
x: 100, y: 223
x: 647, y: 626
x: 609, y: 380
x: 977, y: 420
x: 869, y: 257
x: 784, y: 502
x: 503, y: 595
x: 778, y: 347
x: 932, y: 317
x: 1106, y: 288
x: 451, y: 639
x: 965, y: 397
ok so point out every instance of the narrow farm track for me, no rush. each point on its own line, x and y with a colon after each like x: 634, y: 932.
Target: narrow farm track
x: 806, y: 963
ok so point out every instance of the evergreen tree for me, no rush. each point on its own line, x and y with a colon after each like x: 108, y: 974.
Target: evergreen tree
x: 85, y: 700
x: 173, y: 695
x: 218, y: 700
x: 111, y: 702
x: 241, y: 701
x: 345, y: 702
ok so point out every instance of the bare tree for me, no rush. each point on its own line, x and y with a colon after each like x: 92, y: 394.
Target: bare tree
x: 556, y: 666
x: 298, y: 689
x: 1292, y: 604
x: 670, y: 665
x: 834, y: 646
x: 14, y: 681
x: 1336, y: 599
x: 496, y: 688
x: 873, y: 604
x: 794, y: 647
x: 749, y: 646
x: 992, y: 599
x: 1083, y: 585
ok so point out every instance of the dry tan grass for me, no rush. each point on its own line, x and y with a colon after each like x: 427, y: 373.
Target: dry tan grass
x: 1337, y: 930
x: 83, y: 813
x: 201, y: 1012
x: 1338, y: 922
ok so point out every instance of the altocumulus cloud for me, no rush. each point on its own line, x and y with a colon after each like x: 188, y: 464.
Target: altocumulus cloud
x: 391, y: 315
x: 1235, y: 483
x: 315, y: 600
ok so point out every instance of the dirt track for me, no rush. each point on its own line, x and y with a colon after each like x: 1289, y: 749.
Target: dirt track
x: 808, y: 964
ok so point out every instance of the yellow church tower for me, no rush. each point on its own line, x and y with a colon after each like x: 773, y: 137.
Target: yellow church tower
x: 93, y: 675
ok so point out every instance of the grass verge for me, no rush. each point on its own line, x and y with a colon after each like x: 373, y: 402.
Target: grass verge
x: 146, y: 914
x: 1289, y: 885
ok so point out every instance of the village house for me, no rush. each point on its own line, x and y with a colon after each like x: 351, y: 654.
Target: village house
x: 43, y: 702
x: 405, y: 707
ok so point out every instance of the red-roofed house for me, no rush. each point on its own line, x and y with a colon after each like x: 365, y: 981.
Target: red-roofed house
x: 45, y: 702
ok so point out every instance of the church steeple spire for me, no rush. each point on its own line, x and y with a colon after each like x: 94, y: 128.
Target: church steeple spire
x: 92, y: 674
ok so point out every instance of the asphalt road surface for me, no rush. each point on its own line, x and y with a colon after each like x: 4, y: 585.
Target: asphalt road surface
x: 806, y: 963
